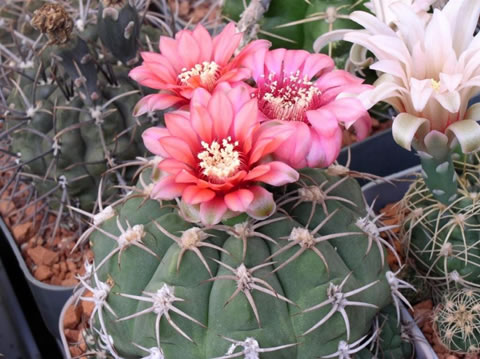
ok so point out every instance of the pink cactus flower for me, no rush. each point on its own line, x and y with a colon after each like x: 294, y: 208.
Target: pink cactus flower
x: 216, y: 155
x: 305, y: 92
x: 192, y: 60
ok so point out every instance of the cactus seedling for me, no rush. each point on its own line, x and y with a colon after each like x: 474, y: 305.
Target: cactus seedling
x: 457, y: 321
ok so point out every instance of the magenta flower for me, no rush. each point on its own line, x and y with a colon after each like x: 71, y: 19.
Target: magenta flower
x: 216, y: 155
x: 303, y: 91
x: 192, y: 60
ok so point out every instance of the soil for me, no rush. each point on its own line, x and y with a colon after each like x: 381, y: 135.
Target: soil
x: 423, y: 310
x: 49, y: 257
x: 74, y: 322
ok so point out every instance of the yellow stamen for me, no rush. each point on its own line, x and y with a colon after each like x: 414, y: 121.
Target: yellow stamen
x: 206, y: 71
x: 435, y: 85
x: 219, y: 161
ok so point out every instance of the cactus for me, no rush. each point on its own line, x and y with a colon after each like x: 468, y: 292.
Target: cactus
x: 299, y: 286
x: 442, y: 239
x: 457, y: 320
x: 68, y: 99
x: 297, y: 24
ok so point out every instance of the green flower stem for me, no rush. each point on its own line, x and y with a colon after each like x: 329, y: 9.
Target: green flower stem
x: 440, y: 176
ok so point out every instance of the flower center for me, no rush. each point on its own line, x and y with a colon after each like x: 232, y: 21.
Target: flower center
x: 219, y: 161
x: 288, y: 96
x: 201, y: 75
x: 435, y: 85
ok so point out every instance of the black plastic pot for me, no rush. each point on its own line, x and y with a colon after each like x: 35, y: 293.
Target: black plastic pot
x: 384, y: 193
x: 379, y: 155
x: 16, y: 339
x: 49, y: 298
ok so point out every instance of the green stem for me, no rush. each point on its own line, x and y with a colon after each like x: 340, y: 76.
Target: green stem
x: 440, y: 177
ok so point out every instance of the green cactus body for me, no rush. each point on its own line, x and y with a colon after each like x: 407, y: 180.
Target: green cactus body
x: 457, y: 319
x: 288, y: 287
x: 326, y: 16
x: 73, y: 140
x: 119, y: 29
x: 443, y: 239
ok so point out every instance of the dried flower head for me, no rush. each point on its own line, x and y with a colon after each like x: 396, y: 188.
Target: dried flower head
x: 54, y: 21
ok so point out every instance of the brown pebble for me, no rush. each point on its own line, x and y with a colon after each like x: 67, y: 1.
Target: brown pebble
x: 426, y: 304
x: 69, y: 282
x: 87, y: 306
x: 72, y: 335
x: 71, y: 266
x: 20, y: 231
x: 63, y: 267
x: 72, y: 317
x: 43, y: 272
x: 41, y: 255
x: 75, y: 351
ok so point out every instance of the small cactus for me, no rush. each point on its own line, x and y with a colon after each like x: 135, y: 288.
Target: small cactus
x: 442, y: 238
x: 457, y: 321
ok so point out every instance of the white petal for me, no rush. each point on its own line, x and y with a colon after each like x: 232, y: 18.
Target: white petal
x: 449, y: 100
x: 406, y: 126
x: 420, y: 93
x: 467, y: 133
x: 325, y: 39
x: 463, y: 17
x: 473, y: 112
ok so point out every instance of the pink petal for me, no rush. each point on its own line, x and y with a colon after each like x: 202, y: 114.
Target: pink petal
x: 363, y: 126
x: 200, y: 97
x: 279, y: 174
x: 212, y: 212
x: 252, y: 56
x: 225, y: 43
x: 202, y: 123
x: 239, y: 200
x: 151, y: 139
x: 346, y: 110
x: 325, y: 149
x: 144, y: 75
x: 159, y: 101
x: 257, y: 171
x: 295, y: 148
x: 166, y: 188
x: 270, y: 136
x: 204, y: 40
x: 274, y: 61
x: 221, y: 113
x: 185, y: 176
x: 188, y: 49
x: 316, y: 64
x: 263, y: 205
x: 172, y: 166
x: 180, y: 126
x: 323, y: 121
x: 178, y: 149
x: 293, y: 60
x: 168, y: 48
x: 245, y: 120
x: 239, y: 95
x: 195, y: 195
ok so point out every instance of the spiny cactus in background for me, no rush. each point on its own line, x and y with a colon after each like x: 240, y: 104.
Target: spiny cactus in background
x: 308, y: 284
x: 457, y: 321
x: 67, y: 97
x: 297, y: 24
x: 442, y: 239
